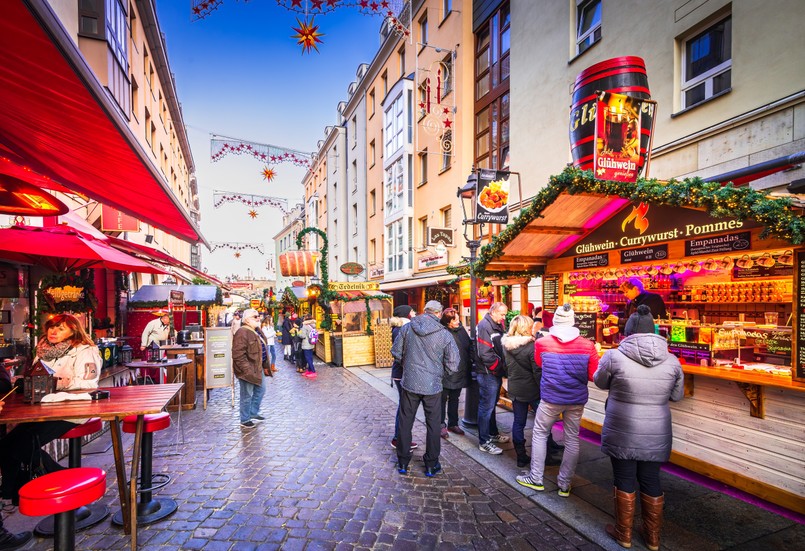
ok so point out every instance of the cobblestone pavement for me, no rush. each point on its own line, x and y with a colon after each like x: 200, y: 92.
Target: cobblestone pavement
x: 319, y: 474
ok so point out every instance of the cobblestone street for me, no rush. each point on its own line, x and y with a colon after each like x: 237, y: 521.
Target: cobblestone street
x: 319, y: 474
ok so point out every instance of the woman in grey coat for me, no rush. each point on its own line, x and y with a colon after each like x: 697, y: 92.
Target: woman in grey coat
x: 642, y: 376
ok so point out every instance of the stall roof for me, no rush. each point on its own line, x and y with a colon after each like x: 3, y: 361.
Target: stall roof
x: 59, y: 121
x: 156, y: 293
x: 299, y: 292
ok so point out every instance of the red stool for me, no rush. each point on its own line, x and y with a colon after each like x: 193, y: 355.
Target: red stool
x: 88, y: 515
x: 149, y: 508
x: 60, y: 494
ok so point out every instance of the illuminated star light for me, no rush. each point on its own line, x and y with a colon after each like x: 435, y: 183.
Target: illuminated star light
x: 253, y: 214
x: 268, y: 173
x: 237, y: 255
x: 307, y: 35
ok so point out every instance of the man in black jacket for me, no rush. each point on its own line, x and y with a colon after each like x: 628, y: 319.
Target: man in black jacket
x: 490, y: 371
x: 636, y: 294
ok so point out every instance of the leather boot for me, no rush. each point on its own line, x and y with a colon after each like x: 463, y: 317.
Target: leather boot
x: 651, y: 510
x: 523, y: 460
x: 624, y: 517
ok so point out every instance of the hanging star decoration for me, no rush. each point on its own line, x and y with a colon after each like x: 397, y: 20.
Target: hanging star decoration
x: 307, y: 35
x: 269, y: 174
x: 237, y: 255
x: 253, y: 214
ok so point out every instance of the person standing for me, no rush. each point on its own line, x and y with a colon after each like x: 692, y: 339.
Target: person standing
x: 236, y: 322
x: 568, y: 361
x: 287, y: 337
x: 490, y: 370
x: 250, y: 364
x: 642, y: 377
x: 157, y: 329
x: 634, y: 291
x: 270, y: 334
x: 308, y: 344
x: 454, y: 382
x: 402, y: 315
x: 76, y: 362
x: 426, y: 351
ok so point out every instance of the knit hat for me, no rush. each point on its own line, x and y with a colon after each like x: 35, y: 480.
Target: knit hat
x: 547, y: 319
x: 249, y: 313
x: 640, y: 322
x: 564, y: 316
x: 434, y: 307
x: 403, y: 311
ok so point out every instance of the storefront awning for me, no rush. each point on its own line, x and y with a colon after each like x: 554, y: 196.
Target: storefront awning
x: 414, y: 282
x: 59, y: 121
x: 355, y: 305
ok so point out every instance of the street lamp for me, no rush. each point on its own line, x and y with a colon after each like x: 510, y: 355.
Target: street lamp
x: 469, y: 208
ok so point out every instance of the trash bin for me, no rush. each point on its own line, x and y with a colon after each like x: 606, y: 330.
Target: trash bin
x: 337, y: 345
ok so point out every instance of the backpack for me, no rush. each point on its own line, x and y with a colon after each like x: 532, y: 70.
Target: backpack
x: 313, y: 336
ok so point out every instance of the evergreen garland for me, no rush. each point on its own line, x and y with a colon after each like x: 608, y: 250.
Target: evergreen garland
x: 778, y: 215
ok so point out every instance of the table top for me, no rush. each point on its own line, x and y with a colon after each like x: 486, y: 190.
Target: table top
x: 122, y: 401
x: 164, y: 363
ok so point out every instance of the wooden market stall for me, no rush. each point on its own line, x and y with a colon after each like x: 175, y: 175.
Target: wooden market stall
x: 358, y: 308
x: 730, y: 266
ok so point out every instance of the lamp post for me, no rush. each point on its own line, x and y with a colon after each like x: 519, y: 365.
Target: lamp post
x: 468, y: 206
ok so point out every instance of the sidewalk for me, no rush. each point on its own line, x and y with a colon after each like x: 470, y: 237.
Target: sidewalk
x: 697, y: 518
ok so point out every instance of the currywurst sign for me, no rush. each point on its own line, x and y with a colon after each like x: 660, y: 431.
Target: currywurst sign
x: 644, y: 225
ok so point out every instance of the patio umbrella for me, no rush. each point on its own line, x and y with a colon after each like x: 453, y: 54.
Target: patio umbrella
x: 64, y: 249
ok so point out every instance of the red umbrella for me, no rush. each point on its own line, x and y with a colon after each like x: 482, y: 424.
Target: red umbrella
x: 64, y: 249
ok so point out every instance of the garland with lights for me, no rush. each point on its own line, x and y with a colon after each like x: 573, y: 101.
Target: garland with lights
x: 85, y: 301
x: 326, y: 294
x: 777, y: 215
x: 272, y: 154
x: 237, y: 246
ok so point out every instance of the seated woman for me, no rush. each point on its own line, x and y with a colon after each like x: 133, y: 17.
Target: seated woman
x: 70, y: 353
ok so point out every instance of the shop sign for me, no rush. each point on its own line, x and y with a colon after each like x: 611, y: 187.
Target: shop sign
x: 255, y: 303
x: 354, y: 286
x: 492, y: 197
x: 485, y: 295
x: 177, y: 300
x: 115, y: 220
x: 351, y: 268
x: 570, y: 288
x: 799, y: 327
x: 644, y: 225
x: 585, y: 321
x: 616, y: 156
x: 235, y: 285
x: 431, y: 261
x: 644, y: 254
x: 591, y: 261
x: 441, y: 235
x: 68, y: 293
x: 376, y: 271
x: 550, y: 292
x: 9, y: 281
x: 721, y: 244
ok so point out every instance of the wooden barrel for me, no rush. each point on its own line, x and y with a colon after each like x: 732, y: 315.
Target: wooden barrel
x: 297, y: 263
x: 622, y: 75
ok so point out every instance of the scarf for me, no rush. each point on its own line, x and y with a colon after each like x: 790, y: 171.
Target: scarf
x: 49, y: 352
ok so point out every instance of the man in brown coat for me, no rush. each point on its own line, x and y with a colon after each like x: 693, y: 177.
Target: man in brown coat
x: 249, y: 357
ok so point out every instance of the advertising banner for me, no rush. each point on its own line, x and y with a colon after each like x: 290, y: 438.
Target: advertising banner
x: 492, y: 197
x: 617, y: 137
x: 115, y: 220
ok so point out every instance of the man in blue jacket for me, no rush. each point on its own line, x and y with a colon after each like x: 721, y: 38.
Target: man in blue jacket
x: 426, y: 350
x: 490, y: 370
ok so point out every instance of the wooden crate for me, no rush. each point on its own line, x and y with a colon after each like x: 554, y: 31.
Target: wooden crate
x: 383, y: 343
x: 359, y: 350
x: 323, y: 347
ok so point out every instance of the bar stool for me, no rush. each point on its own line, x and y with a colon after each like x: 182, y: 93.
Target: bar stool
x: 149, y: 508
x: 60, y: 494
x: 88, y: 515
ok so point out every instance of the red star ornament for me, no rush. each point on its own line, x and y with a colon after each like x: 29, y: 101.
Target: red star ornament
x: 448, y: 123
x: 237, y: 255
x: 307, y: 35
x: 253, y: 214
x: 269, y: 174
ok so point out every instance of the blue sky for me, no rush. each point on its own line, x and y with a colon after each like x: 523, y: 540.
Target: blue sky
x: 239, y: 73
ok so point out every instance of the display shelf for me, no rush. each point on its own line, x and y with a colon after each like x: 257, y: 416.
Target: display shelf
x: 744, y: 376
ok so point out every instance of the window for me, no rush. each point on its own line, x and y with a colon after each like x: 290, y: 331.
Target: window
x: 372, y: 251
x: 395, y: 190
x: 707, y: 63
x: 395, y: 126
x: 90, y: 16
x: 492, y: 134
x: 395, y: 253
x: 423, y: 31
x: 447, y: 75
x: 353, y: 129
x: 492, y: 54
x: 423, y: 167
x: 117, y: 27
x: 372, y: 203
x: 401, y: 60
x: 354, y: 176
x: 447, y: 217
x: 588, y: 24
x: 148, y: 126
x: 135, y: 97
x: 423, y: 231
x: 372, y: 154
x: 354, y: 219
x: 385, y: 80
x: 447, y: 152
x: 447, y: 7
x: 371, y: 103
x: 355, y: 254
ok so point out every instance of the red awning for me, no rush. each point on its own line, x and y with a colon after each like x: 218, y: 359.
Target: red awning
x: 62, y: 123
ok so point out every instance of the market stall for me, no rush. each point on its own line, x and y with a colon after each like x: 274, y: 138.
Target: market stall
x: 728, y: 263
x: 357, y: 309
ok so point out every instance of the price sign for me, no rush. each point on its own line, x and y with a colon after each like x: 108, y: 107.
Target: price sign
x: 585, y: 321
x: 550, y: 292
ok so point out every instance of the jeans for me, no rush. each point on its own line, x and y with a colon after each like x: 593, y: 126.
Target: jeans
x: 309, y: 359
x: 547, y: 415
x: 399, y: 405
x: 251, y: 396
x: 450, y: 398
x: 628, y: 472
x: 520, y: 410
x: 288, y: 350
x: 489, y: 391
x: 409, y: 404
x: 272, y: 353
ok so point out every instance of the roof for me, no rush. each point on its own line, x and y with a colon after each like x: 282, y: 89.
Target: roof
x: 156, y: 293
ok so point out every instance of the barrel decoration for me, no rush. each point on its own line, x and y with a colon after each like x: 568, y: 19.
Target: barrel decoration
x: 621, y: 75
x: 297, y: 263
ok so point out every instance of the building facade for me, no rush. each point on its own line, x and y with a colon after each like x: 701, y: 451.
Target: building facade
x: 285, y: 240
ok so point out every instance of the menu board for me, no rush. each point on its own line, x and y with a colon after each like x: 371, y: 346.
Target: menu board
x: 756, y: 271
x: 591, y: 261
x: 218, y: 357
x: 799, y: 326
x: 585, y: 321
x: 550, y: 292
x: 719, y: 244
x: 645, y: 254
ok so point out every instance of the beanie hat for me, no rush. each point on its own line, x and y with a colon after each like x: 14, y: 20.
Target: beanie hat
x: 564, y: 316
x: 640, y: 322
x: 403, y: 311
x: 547, y: 319
x: 434, y: 307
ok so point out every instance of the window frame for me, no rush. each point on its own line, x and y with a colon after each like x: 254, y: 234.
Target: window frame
x: 707, y: 77
x: 584, y: 38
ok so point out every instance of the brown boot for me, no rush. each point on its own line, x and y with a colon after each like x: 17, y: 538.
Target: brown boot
x: 651, y: 510
x: 624, y: 517
x: 273, y: 368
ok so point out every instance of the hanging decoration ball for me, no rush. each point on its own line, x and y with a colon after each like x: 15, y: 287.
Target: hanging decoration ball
x: 269, y: 174
x: 307, y: 35
x: 253, y: 214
